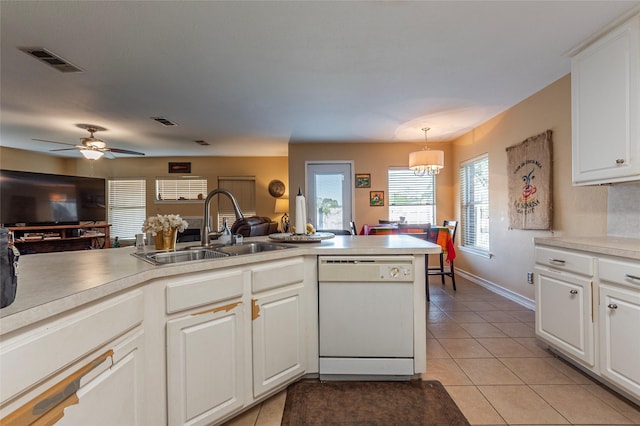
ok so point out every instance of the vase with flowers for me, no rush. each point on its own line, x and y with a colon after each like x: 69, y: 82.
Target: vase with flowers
x: 165, y: 228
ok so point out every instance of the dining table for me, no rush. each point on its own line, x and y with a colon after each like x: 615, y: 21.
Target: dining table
x: 440, y: 235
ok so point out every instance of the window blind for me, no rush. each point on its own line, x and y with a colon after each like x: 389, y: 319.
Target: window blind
x: 243, y: 189
x: 127, y: 209
x: 410, y: 196
x: 185, y: 188
x: 474, y: 203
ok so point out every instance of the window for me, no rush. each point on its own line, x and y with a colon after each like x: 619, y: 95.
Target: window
x: 412, y: 197
x: 474, y: 203
x: 127, y: 207
x: 329, y: 196
x: 243, y: 189
x: 182, y: 189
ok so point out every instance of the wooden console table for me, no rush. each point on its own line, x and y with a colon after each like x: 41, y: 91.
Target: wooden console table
x: 46, y: 239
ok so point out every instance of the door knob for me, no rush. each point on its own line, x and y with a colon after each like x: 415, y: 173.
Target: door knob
x: 612, y: 306
x: 573, y: 291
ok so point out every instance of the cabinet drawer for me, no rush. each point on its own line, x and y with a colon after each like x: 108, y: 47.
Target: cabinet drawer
x: 32, y: 356
x: 620, y: 272
x: 564, y: 260
x: 277, y: 274
x: 204, y: 289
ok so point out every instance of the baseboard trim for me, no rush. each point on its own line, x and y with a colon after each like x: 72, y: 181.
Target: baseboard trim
x: 515, y: 297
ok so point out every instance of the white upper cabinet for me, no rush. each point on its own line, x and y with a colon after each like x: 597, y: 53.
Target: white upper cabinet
x: 605, y: 87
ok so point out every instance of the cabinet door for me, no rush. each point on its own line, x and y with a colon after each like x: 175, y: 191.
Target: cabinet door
x: 115, y: 395
x: 620, y: 337
x: 564, y: 316
x: 605, y: 79
x: 278, y: 340
x: 204, y: 366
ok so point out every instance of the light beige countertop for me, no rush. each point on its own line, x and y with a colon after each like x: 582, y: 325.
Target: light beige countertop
x: 612, y: 246
x: 52, y: 283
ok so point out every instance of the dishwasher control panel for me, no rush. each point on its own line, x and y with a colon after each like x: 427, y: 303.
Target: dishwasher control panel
x: 365, y: 268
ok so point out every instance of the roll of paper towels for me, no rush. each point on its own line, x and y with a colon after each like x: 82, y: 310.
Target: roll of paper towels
x: 301, y: 214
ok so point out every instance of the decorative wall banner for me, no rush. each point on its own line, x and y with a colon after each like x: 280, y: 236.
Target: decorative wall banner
x: 529, y: 170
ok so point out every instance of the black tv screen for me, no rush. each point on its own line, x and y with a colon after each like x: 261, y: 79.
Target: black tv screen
x: 47, y: 199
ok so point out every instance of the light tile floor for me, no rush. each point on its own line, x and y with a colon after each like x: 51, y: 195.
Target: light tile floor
x: 482, y: 348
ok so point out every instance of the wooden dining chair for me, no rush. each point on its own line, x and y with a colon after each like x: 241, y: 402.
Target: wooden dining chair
x: 352, y: 228
x: 379, y: 231
x: 418, y: 230
x: 441, y: 269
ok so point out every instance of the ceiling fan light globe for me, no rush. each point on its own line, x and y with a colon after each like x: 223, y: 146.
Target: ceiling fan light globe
x: 91, y: 154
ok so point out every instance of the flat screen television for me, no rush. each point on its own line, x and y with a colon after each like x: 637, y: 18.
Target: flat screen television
x: 37, y: 199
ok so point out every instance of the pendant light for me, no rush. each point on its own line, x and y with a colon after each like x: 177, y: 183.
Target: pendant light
x: 426, y: 162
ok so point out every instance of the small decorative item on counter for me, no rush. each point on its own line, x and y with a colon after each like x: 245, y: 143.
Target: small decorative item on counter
x: 301, y: 214
x: 165, y: 229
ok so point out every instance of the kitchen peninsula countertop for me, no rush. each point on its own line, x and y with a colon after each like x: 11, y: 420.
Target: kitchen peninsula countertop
x: 607, y: 245
x: 52, y: 283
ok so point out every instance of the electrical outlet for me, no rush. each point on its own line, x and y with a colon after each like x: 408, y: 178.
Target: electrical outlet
x: 529, y: 277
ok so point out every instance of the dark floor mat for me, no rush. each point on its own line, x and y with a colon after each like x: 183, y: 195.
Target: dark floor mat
x: 311, y: 402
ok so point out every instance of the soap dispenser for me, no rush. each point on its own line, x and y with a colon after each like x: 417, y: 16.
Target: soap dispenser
x: 225, y: 238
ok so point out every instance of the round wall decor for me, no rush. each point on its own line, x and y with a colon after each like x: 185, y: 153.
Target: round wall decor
x: 276, y: 188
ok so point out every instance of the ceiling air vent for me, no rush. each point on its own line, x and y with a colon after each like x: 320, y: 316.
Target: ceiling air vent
x: 164, y: 121
x: 203, y: 143
x: 50, y: 59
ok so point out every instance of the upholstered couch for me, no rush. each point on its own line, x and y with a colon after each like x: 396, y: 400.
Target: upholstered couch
x: 254, y: 226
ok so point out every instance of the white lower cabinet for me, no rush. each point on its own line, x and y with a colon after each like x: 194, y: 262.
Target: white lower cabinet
x: 85, y: 367
x: 120, y: 383
x: 619, y: 324
x: 277, y: 324
x: 278, y: 340
x: 592, y: 320
x: 205, y: 346
x: 564, y: 314
x: 204, y: 366
x: 233, y: 336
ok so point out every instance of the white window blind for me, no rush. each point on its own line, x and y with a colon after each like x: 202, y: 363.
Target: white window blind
x: 185, y: 188
x: 127, y: 207
x: 410, y: 196
x: 243, y: 189
x: 474, y: 203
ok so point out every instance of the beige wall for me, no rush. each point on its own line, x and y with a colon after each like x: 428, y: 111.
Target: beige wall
x: 264, y: 169
x: 576, y: 210
x: 375, y: 159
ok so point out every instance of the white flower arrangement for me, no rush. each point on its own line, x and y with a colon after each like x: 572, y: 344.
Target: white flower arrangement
x: 160, y: 222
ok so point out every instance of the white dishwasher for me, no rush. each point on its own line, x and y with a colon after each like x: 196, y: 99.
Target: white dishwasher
x: 366, y: 317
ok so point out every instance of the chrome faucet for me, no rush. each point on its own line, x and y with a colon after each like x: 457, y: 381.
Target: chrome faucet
x: 206, y: 227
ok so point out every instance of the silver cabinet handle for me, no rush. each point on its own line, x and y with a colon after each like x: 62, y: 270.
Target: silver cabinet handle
x: 612, y: 306
x: 573, y: 291
x: 633, y: 277
x: 620, y: 161
x: 560, y: 261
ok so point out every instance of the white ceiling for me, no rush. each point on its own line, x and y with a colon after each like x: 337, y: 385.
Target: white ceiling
x: 249, y: 77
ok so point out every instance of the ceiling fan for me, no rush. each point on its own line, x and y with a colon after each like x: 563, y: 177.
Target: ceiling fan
x: 92, y: 148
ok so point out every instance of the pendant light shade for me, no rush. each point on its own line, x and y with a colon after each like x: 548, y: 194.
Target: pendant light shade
x: 427, y: 161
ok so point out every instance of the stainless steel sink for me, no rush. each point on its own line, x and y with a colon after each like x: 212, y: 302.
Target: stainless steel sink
x: 251, y: 248
x: 189, y: 254
x: 179, y: 256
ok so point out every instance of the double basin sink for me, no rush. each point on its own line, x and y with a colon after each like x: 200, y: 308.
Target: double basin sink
x: 219, y: 251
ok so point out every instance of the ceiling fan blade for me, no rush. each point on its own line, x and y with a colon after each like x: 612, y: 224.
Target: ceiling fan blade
x: 61, y: 143
x: 108, y: 154
x: 124, y: 151
x: 63, y: 149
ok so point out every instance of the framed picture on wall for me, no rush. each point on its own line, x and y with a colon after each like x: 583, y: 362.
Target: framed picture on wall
x: 376, y: 198
x: 363, y: 180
